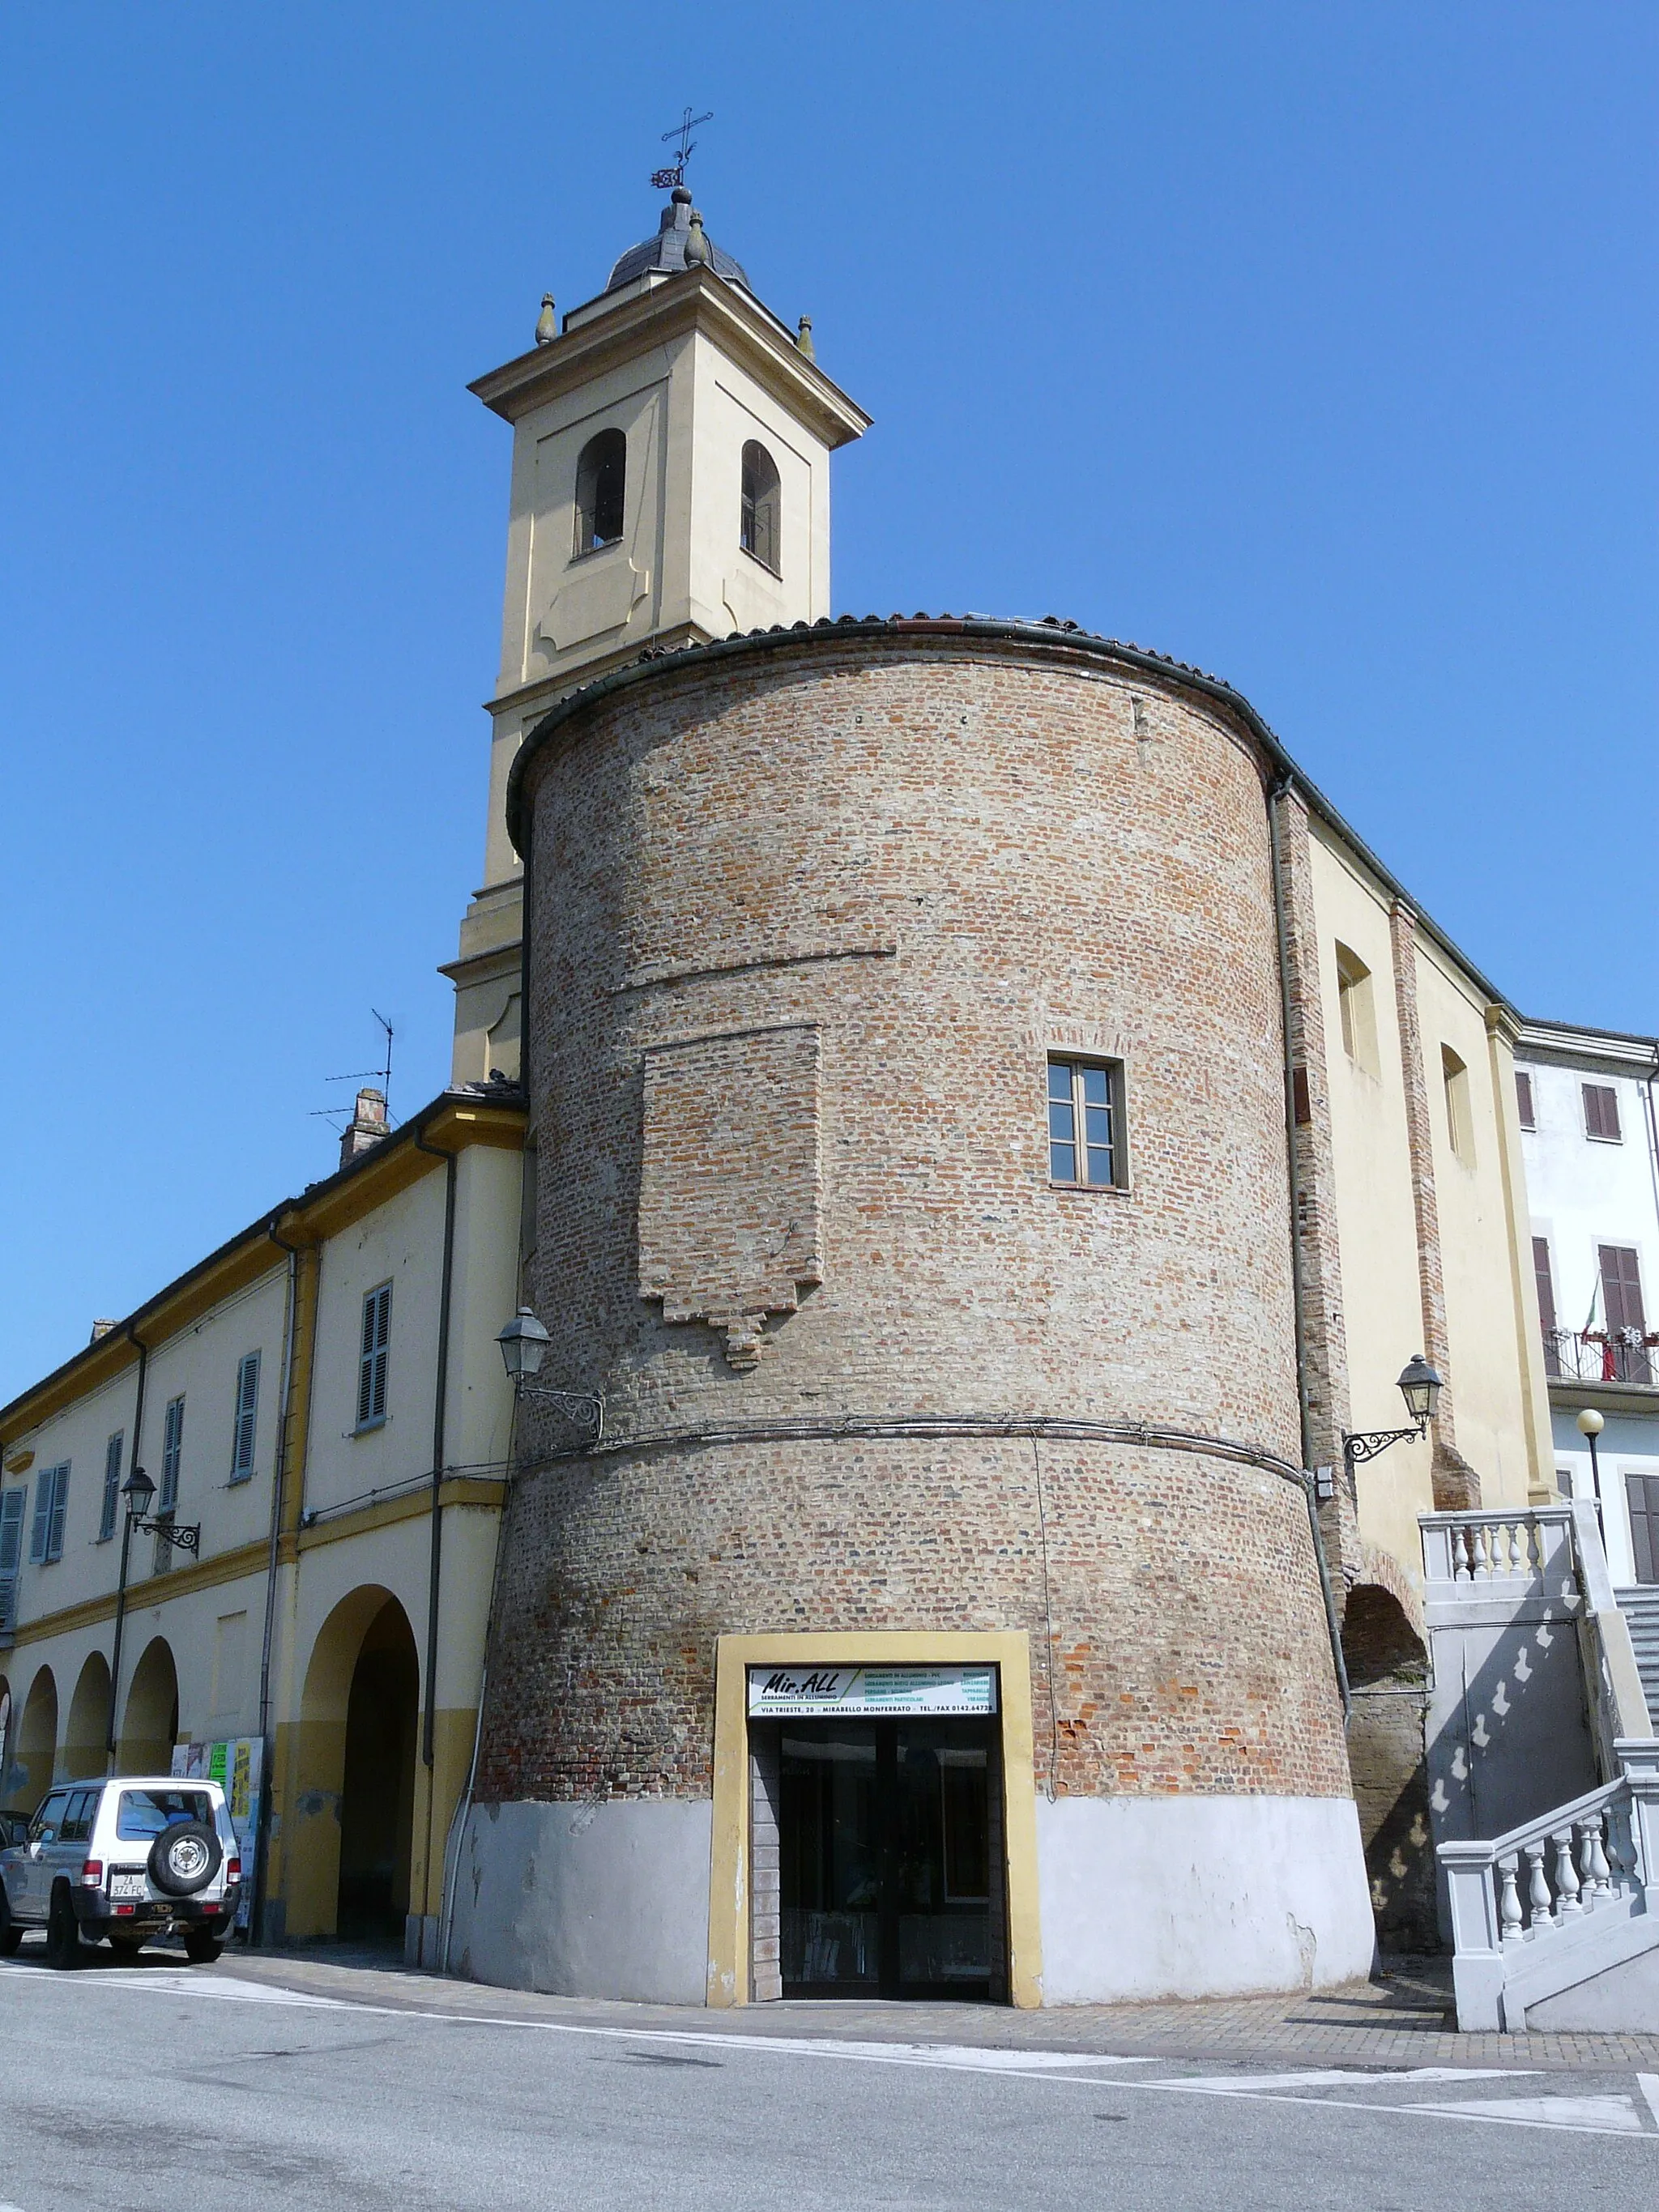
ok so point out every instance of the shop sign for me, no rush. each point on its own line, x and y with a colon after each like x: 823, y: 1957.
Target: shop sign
x: 819, y: 1693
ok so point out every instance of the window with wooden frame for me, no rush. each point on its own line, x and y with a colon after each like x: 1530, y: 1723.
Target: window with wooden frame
x: 244, y: 1420
x: 112, y: 1504
x: 372, y: 1359
x: 1085, y: 1123
x: 172, y: 1453
x: 1601, y: 1113
x: 1355, y: 1009
x: 760, y: 527
x: 51, y: 1509
x: 1642, y: 1494
x: 1544, y: 1276
x: 1621, y: 1289
x: 601, y: 491
x: 1460, y: 1126
x: 1525, y: 1110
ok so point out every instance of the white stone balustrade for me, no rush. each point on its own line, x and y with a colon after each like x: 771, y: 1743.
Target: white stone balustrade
x: 1498, y: 1551
x: 1541, y: 1882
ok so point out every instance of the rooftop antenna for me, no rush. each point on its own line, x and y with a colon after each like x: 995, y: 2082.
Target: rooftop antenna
x: 382, y: 1074
x: 671, y: 178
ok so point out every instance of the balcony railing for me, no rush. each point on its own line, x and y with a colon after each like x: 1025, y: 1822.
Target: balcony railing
x: 1601, y: 1355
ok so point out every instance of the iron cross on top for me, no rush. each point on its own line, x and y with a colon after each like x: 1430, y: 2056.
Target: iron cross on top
x: 666, y: 180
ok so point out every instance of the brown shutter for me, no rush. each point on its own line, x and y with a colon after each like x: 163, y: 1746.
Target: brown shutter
x: 1540, y: 1268
x: 1524, y: 1098
x: 1621, y: 1287
x: 1601, y: 1111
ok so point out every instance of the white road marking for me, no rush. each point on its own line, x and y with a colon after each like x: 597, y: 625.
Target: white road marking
x: 1330, y: 2076
x: 1597, y: 2114
x: 1570, y: 2115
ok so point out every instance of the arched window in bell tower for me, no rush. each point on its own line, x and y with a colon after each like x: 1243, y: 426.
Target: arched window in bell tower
x: 601, y: 481
x: 760, y: 530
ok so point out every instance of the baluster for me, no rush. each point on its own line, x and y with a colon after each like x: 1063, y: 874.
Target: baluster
x: 1621, y: 1848
x: 1520, y: 1563
x: 1508, y: 1900
x: 1592, y: 1858
x: 1463, y: 1556
x: 1538, y: 1888
x: 1480, y: 1564
x: 1566, y: 1873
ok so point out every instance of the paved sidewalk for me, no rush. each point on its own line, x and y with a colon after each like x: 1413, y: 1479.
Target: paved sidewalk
x: 1402, y: 2019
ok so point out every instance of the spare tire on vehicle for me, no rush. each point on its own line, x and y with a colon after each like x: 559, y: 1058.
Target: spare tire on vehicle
x: 185, y: 1859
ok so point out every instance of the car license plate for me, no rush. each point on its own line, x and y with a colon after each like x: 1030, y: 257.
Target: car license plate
x: 127, y: 1885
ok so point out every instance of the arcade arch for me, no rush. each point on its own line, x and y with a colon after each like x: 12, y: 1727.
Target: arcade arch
x: 149, y: 1726
x: 85, y: 1732
x: 37, y: 1741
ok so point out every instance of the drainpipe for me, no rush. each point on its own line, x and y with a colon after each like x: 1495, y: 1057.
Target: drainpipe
x: 440, y: 1408
x: 278, y: 1476
x: 133, y: 1338
x: 1298, y: 1292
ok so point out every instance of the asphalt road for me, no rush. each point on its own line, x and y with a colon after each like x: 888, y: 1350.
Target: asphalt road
x: 149, y: 2086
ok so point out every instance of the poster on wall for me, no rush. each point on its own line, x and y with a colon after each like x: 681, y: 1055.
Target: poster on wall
x: 829, y: 1692
x: 236, y: 1764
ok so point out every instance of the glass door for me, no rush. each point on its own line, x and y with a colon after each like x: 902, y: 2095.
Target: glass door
x: 891, y: 1862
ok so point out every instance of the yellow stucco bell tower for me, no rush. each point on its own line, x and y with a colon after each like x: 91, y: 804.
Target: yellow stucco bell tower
x: 671, y: 485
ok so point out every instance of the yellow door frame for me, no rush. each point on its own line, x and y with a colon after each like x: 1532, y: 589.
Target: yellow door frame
x: 729, y: 1887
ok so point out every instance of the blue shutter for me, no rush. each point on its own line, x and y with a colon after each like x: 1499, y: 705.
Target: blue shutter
x: 172, y: 1444
x: 248, y: 1408
x: 371, y: 1374
x: 112, y: 1451
x: 43, y: 1490
x: 12, y: 1503
x: 60, y: 1476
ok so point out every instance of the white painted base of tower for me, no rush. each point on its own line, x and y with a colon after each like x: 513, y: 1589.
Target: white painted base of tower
x: 1139, y: 1897
x: 1192, y: 1897
x: 607, y: 1900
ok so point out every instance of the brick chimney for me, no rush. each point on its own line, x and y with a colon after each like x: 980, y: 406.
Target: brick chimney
x: 367, y: 1126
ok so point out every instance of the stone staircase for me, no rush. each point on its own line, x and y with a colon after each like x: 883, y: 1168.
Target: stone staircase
x: 1640, y: 1608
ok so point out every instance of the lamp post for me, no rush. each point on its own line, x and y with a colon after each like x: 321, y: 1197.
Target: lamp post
x: 1590, y: 1425
x: 139, y: 1491
x: 524, y: 1345
x: 1420, y: 1387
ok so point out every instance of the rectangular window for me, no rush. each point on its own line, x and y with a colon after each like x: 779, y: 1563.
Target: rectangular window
x: 1602, y: 1113
x: 371, y: 1366
x: 1545, y: 1278
x: 12, y: 1505
x: 1085, y: 1137
x: 1643, y: 1493
x: 51, y: 1504
x: 112, y: 1504
x: 173, y: 1448
x: 247, y: 1417
x: 1621, y: 1288
x: 1524, y: 1099
x: 1460, y: 1128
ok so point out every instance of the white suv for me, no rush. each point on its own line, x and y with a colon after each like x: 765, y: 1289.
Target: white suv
x: 129, y: 1859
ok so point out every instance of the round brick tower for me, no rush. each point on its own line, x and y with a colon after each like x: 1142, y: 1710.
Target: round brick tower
x: 903, y: 1044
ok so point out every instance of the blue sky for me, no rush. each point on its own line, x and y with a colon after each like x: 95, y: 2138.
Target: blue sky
x: 1313, y: 344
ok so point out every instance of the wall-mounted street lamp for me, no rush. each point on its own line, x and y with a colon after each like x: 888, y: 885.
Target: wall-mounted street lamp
x: 1590, y: 1425
x: 140, y: 1493
x: 1420, y: 1387
x: 524, y: 1345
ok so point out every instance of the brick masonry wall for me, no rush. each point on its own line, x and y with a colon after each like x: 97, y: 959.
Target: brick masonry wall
x: 943, y: 859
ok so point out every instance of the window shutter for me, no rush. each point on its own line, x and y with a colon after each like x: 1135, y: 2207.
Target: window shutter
x: 38, y: 1533
x: 173, y: 1447
x: 11, y: 1529
x: 1540, y: 1268
x: 1601, y: 1111
x: 1621, y: 1287
x: 247, y: 1406
x: 112, y: 1504
x: 1524, y: 1099
x: 1643, y: 1492
x: 60, y: 1476
x: 372, y: 1373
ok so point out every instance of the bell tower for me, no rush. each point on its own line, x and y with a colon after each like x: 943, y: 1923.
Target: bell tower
x: 671, y: 485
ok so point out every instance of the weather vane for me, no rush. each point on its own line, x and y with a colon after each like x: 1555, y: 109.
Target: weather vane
x: 669, y: 179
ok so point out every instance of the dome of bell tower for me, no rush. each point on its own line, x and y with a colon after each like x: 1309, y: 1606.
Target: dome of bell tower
x: 680, y: 228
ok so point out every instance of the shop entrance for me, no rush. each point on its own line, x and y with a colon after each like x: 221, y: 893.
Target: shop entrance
x: 890, y: 1857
